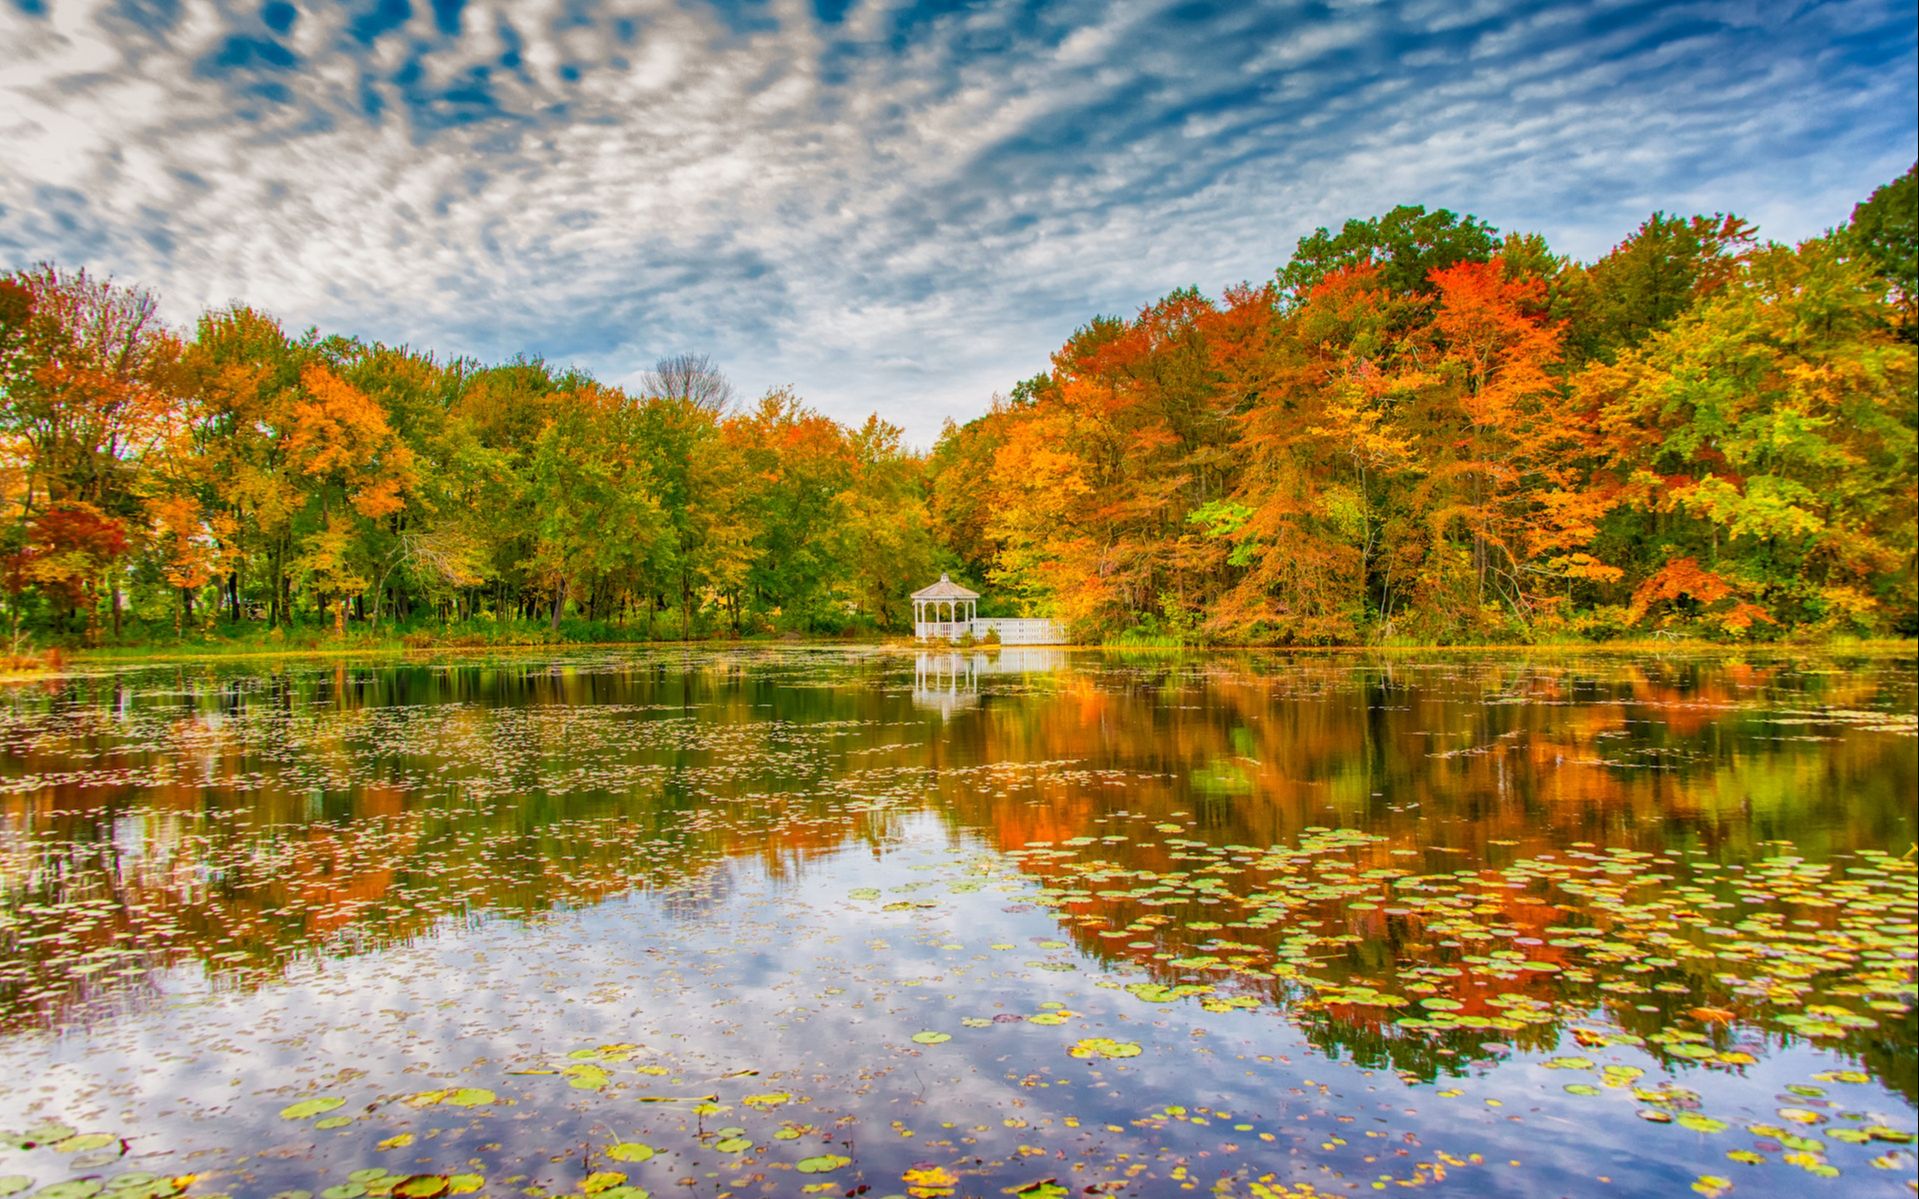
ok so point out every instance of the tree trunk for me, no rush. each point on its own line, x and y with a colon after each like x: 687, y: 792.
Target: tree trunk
x: 559, y: 601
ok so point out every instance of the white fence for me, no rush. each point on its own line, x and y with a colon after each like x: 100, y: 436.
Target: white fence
x: 1020, y: 631
x: 1012, y: 630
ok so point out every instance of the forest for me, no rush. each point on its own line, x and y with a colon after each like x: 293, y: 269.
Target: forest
x: 1418, y: 430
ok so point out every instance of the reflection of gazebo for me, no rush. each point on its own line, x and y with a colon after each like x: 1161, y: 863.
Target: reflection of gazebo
x: 946, y: 683
x: 949, y: 682
x: 945, y: 609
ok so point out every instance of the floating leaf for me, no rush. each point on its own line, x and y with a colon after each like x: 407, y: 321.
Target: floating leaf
x: 87, y: 1140
x: 1103, y: 1047
x: 1045, y: 1188
x: 306, y: 1109
x: 471, y: 1097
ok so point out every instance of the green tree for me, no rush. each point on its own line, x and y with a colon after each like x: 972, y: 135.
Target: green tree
x: 1651, y: 279
x: 1885, y: 232
x: 1407, y: 244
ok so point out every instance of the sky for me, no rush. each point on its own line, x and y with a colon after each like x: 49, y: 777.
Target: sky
x: 890, y: 207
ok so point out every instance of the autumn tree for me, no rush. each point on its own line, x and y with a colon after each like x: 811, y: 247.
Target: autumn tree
x: 70, y: 551
x: 239, y: 379
x: 1762, y: 450
x: 1321, y: 455
x: 352, y: 465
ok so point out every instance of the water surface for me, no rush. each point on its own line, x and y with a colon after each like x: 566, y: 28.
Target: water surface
x: 772, y: 922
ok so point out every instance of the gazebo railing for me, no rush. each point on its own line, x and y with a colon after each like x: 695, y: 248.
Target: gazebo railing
x: 951, y: 630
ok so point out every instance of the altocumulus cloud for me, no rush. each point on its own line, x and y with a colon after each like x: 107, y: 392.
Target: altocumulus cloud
x: 891, y: 206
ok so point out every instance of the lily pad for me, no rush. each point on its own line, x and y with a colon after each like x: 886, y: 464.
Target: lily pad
x: 306, y: 1109
x: 1103, y: 1047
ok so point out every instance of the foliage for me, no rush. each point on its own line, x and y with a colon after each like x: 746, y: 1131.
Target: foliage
x: 1421, y: 431
x: 1884, y: 232
x: 241, y: 477
x: 1408, y: 244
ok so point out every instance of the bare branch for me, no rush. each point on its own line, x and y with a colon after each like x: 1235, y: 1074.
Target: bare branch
x: 695, y: 378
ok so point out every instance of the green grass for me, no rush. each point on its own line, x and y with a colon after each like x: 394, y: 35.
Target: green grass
x: 254, y: 640
x: 151, y: 643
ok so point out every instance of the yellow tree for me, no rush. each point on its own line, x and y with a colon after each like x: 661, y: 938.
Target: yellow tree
x: 883, y: 525
x: 340, y: 443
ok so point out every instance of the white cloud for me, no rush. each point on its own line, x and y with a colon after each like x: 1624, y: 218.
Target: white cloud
x: 884, y: 216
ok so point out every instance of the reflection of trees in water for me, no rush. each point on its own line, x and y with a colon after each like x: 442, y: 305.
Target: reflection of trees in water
x: 1652, y: 759
x: 344, y: 810
x: 1627, y: 758
x: 248, y: 906
x: 260, y: 868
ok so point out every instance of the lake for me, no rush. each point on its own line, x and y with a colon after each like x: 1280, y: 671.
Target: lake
x: 814, y: 920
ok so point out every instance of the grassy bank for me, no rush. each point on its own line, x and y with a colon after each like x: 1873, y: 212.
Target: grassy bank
x: 255, y: 641
x: 1701, y: 645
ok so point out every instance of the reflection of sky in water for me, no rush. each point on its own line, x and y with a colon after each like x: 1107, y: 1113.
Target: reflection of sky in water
x: 764, y: 962
x: 822, y: 996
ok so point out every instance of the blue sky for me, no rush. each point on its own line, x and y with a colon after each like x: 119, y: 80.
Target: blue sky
x: 891, y: 207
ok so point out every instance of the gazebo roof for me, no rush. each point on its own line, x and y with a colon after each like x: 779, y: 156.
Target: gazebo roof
x: 945, y: 589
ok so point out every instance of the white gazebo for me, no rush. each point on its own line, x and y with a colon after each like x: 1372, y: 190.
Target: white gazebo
x: 945, y: 609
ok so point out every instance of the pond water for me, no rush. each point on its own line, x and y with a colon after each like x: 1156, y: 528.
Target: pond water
x: 863, y: 922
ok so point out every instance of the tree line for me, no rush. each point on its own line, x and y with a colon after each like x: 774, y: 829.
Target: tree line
x: 1416, y: 429
x: 233, y: 475
x: 1420, y: 429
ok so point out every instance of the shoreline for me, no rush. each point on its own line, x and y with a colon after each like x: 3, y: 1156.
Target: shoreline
x: 90, y: 661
